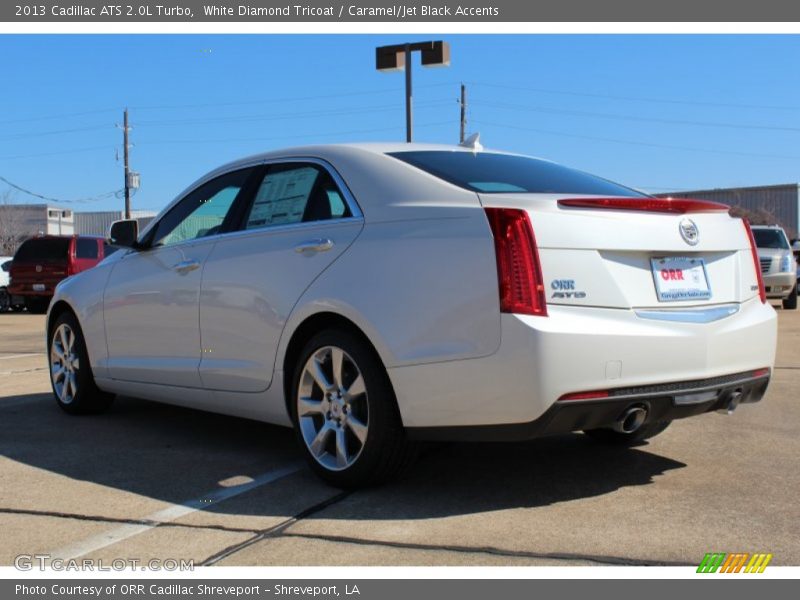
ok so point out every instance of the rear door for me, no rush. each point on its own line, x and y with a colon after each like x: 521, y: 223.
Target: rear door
x: 87, y: 254
x: 300, y: 220
x: 151, y: 301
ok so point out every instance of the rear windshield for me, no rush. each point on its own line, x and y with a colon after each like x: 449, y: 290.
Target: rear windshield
x: 770, y: 238
x: 506, y: 174
x: 43, y: 250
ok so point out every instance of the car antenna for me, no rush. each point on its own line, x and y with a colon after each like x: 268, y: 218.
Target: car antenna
x: 473, y: 142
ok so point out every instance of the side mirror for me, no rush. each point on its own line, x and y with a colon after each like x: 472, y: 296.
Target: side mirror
x: 124, y: 234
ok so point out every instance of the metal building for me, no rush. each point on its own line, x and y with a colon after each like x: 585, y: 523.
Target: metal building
x: 98, y: 222
x: 782, y: 201
x: 25, y: 220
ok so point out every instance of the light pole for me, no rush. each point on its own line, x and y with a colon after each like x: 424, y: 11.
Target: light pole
x: 398, y: 58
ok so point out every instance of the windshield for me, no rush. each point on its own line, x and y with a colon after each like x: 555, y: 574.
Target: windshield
x: 43, y: 250
x: 771, y: 238
x: 504, y: 173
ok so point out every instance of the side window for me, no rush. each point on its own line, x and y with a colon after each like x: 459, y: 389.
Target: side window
x: 86, y: 248
x: 296, y: 193
x: 202, y: 212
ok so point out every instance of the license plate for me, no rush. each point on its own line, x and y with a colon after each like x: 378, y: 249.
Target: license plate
x: 38, y: 287
x: 680, y: 278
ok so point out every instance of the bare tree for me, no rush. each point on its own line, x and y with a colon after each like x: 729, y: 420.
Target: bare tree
x: 11, y: 224
x: 756, y: 217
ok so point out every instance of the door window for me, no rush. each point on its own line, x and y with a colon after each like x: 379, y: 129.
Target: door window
x: 296, y: 193
x: 202, y: 212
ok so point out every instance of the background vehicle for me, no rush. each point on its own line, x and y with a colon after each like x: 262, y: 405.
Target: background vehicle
x: 374, y: 295
x: 5, y: 299
x: 40, y: 263
x: 778, y: 264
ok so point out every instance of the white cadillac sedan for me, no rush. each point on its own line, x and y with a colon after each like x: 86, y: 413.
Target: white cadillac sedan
x: 374, y: 295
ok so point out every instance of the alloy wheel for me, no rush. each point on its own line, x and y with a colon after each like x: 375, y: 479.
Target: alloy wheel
x: 64, y: 363
x: 332, y: 408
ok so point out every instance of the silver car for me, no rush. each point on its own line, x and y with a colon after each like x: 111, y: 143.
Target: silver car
x: 778, y: 265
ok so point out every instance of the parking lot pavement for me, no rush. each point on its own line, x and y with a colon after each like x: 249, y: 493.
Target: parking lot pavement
x: 152, y: 481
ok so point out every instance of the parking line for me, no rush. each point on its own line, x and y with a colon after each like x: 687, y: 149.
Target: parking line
x: 21, y: 355
x: 176, y: 511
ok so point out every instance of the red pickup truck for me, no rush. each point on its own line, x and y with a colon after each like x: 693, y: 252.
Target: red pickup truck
x: 42, y: 262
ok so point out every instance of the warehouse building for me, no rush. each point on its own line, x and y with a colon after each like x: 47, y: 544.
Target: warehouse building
x: 98, y: 222
x: 777, y: 203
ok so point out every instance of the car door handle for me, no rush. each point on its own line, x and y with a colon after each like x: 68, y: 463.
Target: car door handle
x: 186, y: 266
x: 314, y: 246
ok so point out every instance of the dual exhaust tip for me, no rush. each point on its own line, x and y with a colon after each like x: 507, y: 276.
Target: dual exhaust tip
x: 634, y: 416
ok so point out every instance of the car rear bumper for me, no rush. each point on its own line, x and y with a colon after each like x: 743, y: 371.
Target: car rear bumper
x: 582, y: 349
x: 661, y: 403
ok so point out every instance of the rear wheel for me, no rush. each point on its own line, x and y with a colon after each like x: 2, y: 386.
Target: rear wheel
x: 5, y: 300
x: 37, y: 306
x: 790, y: 302
x: 618, y: 438
x: 345, y: 413
x: 70, y: 374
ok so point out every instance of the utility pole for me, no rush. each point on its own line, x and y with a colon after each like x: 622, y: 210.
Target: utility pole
x: 463, y: 104
x: 125, y: 129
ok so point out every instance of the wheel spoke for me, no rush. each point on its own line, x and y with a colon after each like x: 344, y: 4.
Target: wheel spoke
x: 63, y: 334
x: 341, y: 448
x: 308, y: 406
x: 76, y: 362
x: 337, y: 360
x: 358, y: 428
x: 56, y: 371
x: 319, y: 376
x: 357, y: 387
x: 317, y: 447
x: 73, y: 385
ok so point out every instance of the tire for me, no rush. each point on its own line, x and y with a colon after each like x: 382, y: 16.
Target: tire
x: 70, y: 374
x: 617, y: 438
x: 5, y: 300
x: 364, y: 443
x: 790, y: 302
x: 37, y: 306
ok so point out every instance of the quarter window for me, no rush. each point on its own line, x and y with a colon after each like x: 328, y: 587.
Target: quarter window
x: 202, y: 212
x: 296, y: 193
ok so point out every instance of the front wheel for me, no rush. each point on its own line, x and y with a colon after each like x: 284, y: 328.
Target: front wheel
x: 345, y: 413
x: 70, y: 373
x: 618, y: 438
x: 790, y: 302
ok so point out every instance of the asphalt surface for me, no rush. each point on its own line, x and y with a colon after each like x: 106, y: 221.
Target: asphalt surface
x: 147, y: 481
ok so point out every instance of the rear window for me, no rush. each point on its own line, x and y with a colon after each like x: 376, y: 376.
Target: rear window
x: 43, y: 250
x: 86, y: 248
x: 507, y: 174
x: 770, y: 238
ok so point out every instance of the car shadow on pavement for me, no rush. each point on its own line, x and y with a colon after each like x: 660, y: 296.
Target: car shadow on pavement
x: 173, y: 454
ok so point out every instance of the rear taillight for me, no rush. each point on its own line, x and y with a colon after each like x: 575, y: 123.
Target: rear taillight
x: 519, y: 273
x: 661, y: 205
x: 756, y: 263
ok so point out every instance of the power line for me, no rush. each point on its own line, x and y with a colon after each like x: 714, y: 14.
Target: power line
x: 286, y: 100
x: 634, y: 98
x: 293, y: 136
x: 279, y: 116
x: 18, y: 136
x: 59, y: 200
x: 549, y: 110
x: 59, y: 116
x: 634, y: 142
x: 58, y: 153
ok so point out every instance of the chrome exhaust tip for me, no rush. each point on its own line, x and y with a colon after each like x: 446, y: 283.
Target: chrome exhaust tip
x: 631, y: 419
x: 733, y: 402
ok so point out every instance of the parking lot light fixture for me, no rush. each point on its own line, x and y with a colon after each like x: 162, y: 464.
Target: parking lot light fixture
x: 398, y: 58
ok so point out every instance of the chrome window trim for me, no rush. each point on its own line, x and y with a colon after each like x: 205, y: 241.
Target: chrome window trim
x: 689, y: 315
x: 352, y: 204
